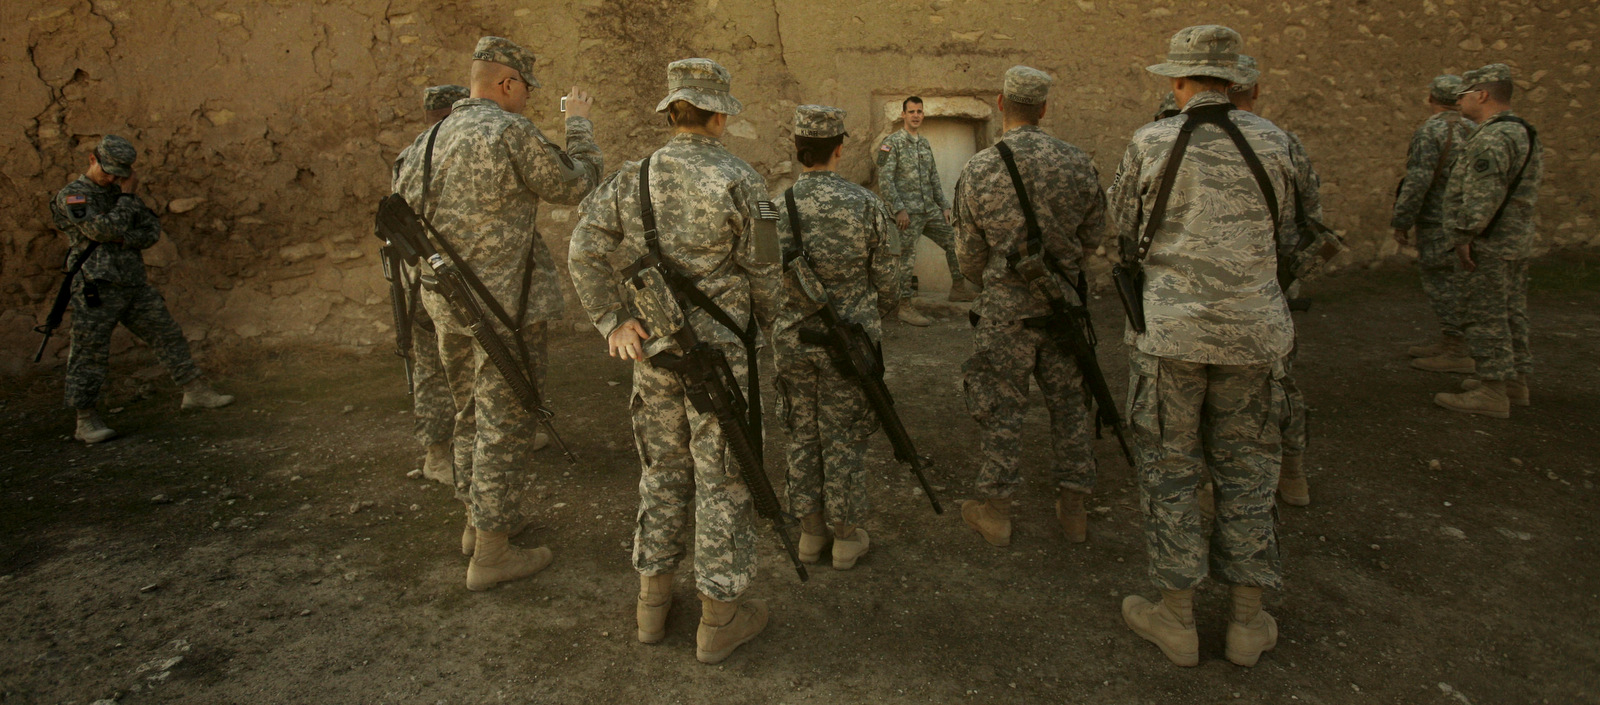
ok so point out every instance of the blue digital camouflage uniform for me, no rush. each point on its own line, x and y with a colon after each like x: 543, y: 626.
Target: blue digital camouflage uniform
x: 1205, y: 385
x: 124, y: 226
x: 908, y: 179
x: 490, y: 170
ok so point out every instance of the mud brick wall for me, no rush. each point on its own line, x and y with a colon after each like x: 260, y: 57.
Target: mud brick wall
x: 267, y: 127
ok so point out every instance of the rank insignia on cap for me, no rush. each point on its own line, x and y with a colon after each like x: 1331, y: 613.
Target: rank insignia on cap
x: 884, y: 148
x: 77, y: 199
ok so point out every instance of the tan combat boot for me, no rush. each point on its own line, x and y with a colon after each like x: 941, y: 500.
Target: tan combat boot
x: 469, y: 535
x: 725, y: 626
x: 199, y: 395
x: 850, y: 543
x: 1292, y: 486
x: 1455, y: 358
x: 495, y: 560
x: 1516, y: 389
x: 439, y: 464
x: 962, y: 291
x: 991, y: 518
x: 655, y: 600
x: 1251, y: 631
x: 1073, y: 517
x: 910, y: 316
x: 1433, y: 349
x: 1168, y: 624
x: 1488, y: 399
x: 813, y: 537
x: 91, y: 429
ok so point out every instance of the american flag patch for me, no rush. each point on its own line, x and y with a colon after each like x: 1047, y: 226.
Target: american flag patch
x: 76, y: 200
x: 884, y: 148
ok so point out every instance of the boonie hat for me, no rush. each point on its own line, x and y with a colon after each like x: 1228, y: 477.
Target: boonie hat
x: 1204, y: 50
x: 506, y: 53
x: 116, y: 155
x: 1026, y: 85
x: 820, y: 121
x: 702, y: 82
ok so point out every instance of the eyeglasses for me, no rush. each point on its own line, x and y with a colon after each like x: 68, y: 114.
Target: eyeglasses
x: 526, y: 86
x: 1469, y: 90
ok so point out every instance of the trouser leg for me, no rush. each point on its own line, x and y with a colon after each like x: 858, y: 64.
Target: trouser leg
x: 995, y: 384
x: 1241, y: 434
x: 1295, y: 432
x: 503, y: 454
x: 797, y: 391
x: 89, y: 356
x: 1517, y: 315
x: 1061, y: 384
x: 147, y: 317
x: 1165, y: 402
x: 433, y: 406
x: 944, y: 236
x: 1441, y: 282
x: 908, y: 251
x: 845, y: 422
x: 661, y: 433
x: 1488, y: 326
x: 724, y: 528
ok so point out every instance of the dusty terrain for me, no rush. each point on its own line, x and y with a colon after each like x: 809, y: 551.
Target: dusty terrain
x: 274, y: 551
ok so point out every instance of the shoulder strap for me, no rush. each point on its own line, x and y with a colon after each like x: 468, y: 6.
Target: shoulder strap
x: 1158, y: 210
x: 1516, y: 181
x: 1035, y: 240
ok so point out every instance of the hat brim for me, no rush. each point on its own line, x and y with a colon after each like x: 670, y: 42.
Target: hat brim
x: 723, y: 103
x: 1230, y: 74
x: 115, y: 169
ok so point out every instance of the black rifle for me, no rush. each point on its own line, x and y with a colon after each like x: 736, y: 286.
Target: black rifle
x: 857, y: 358
x: 394, y: 272
x: 58, y: 308
x: 400, y: 226
x: 1068, y: 324
x: 708, y: 379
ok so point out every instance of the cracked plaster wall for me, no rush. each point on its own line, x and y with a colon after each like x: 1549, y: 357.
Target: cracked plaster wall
x: 266, y: 128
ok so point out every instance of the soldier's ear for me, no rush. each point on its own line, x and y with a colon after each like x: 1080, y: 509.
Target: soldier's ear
x: 838, y: 151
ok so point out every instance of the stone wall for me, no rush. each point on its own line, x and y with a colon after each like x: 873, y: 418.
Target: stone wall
x: 266, y: 127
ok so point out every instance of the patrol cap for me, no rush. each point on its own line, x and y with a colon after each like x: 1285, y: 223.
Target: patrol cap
x: 1445, y: 89
x: 820, y: 121
x: 702, y: 82
x: 1247, y: 63
x: 1025, y: 85
x: 505, y: 52
x: 1169, y: 104
x: 1204, y: 50
x: 442, y: 97
x: 1492, y: 73
x: 116, y: 155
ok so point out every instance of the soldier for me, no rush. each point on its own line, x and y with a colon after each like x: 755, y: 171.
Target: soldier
x: 432, y: 408
x: 705, y: 204
x: 1208, y: 346
x: 107, y: 223
x: 1009, y: 344
x: 847, y: 242
x: 1293, y: 487
x: 909, y: 181
x: 1489, y: 213
x: 490, y: 168
x: 1168, y: 107
x: 1420, y: 203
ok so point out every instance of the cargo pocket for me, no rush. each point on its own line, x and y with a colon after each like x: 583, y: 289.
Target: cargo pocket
x: 636, y: 412
x: 1144, y: 403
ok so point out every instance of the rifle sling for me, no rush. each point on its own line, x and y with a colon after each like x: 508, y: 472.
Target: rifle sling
x: 681, y: 286
x: 514, y: 325
x: 1205, y: 114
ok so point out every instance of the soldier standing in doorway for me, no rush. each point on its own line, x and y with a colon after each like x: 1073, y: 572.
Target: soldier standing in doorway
x: 908, y: 178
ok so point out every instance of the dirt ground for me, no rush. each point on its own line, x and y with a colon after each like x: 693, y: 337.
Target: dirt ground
x: 275, y: 552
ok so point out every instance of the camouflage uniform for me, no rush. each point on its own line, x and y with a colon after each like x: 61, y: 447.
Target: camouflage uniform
x: 1064, y: 189
x: 849, y: 237
x: 1420, y: 204
x: 705, y: 202
x: 490, y: 170
x: 909, y: 181
x: 1205, y: 385
x: 1496, y: 300
x: 433, y: 406
x: 124, y: 226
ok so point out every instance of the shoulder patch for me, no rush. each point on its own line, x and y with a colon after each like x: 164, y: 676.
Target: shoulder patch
x: 1481, y: 165
x: 884, y: 147
x: 76, y: 199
